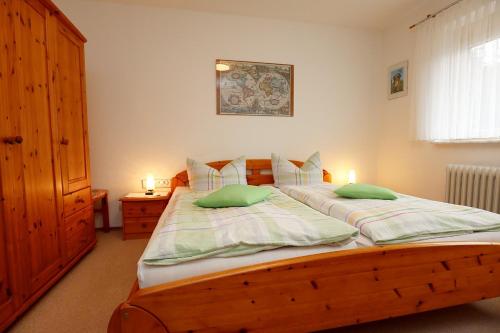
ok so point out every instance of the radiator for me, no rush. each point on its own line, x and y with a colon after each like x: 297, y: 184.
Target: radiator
x: 474, y: 186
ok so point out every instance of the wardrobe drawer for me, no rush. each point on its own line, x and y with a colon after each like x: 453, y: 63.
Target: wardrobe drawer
x: 141, y: 209
x: 77, y: 200
x: 139, y: 225
x: 78, y: 231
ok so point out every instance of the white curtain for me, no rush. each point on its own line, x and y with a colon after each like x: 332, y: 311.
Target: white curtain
x: 457, y: 74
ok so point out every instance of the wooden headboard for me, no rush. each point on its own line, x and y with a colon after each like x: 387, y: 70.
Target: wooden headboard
x: 258, y: 172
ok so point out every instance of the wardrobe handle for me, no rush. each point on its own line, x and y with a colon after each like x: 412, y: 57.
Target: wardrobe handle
x: 12, y: 140
x: 64, y: 141
x: 9, y: 140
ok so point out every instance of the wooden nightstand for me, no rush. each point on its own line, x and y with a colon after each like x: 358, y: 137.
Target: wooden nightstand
x: 141, y: 213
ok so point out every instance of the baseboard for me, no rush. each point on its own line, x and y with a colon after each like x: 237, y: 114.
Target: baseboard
x: 110, y: 228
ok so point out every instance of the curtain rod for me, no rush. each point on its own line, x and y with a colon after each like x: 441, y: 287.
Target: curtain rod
x: 430, y: 16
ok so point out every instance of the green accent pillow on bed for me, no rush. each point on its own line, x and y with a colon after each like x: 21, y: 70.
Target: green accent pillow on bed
x: 365, y: 191
x: 235, y: 195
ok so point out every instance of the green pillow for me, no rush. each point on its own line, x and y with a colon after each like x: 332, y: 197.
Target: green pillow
x: 365, y: 191
x: 235, y: 195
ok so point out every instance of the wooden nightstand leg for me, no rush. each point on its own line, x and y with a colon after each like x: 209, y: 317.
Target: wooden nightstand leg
x: 105, y: 214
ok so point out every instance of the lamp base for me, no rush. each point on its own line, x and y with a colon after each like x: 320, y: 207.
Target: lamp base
x: 149, y: 192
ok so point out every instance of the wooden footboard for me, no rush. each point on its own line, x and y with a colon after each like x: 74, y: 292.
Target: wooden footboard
x: 319, y: 291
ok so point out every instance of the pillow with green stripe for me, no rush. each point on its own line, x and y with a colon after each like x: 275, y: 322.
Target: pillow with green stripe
x: 287, y: 173
x: 365, y: 191
x: 235, y: 195
x: 203, y: 177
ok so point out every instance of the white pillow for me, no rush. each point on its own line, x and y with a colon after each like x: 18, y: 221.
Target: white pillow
x: 287, y: 173
x: 203, y: 178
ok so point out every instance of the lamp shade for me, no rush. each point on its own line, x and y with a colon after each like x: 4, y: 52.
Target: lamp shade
x: 351, y: 177
x: 150, y: 183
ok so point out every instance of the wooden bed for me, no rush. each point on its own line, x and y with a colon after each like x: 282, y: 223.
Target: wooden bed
x: 314, y: 292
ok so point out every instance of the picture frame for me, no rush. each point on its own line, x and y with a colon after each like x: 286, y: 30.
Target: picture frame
x: 397, y: 85
x: 249, y: 88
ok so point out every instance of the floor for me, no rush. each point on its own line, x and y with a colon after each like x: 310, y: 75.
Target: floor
x: 85, y: 298
x: 82, y: 302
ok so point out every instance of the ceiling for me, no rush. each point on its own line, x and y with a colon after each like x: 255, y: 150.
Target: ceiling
x: 365, y: 14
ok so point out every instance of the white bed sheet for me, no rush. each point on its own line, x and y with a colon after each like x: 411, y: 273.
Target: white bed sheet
x: 153, y: 275
x: 488, y: 236
x: 149, y: 275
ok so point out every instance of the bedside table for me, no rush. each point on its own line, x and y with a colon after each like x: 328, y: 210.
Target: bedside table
x: 141, y: 213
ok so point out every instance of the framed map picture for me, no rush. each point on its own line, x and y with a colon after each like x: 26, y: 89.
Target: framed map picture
x: 254, y: 88
x: 398, y: 80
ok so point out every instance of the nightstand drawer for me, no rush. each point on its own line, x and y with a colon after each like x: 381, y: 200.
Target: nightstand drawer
x: 77, y: 200
x: 139, y: 225
x: 140, y: 209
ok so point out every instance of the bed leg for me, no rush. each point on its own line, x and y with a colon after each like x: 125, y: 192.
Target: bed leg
x: 130, y: 319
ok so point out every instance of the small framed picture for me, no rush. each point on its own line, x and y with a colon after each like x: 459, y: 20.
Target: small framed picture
x: 398, y: 80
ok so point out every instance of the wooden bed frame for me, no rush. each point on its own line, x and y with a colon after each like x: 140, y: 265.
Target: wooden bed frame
x: 314, y: 292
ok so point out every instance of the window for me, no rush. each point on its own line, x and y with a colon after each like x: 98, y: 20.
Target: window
x: 457, y: 74
x: 487, y: 54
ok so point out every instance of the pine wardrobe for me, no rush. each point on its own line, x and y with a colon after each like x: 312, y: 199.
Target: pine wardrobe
x: 46, y: 215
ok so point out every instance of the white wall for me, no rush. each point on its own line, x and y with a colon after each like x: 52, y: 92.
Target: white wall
x: 404, y: 164
x: 151, y: 92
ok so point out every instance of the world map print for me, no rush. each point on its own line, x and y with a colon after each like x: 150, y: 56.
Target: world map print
x: 249, y: 88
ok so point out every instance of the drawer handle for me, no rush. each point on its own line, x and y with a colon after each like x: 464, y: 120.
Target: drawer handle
x: 144, y: 225
x: 79, y: 200
x: 64, y: 141
x: 83, y: 221
x: 143, y: 209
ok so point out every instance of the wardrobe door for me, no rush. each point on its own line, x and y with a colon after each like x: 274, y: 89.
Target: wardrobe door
x: 6, y: 301
x: 71, y: 110
x: 38, y: 235
x: 7, y: 93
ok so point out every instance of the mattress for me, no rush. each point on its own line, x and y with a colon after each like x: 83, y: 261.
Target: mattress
x: 150, y: 275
